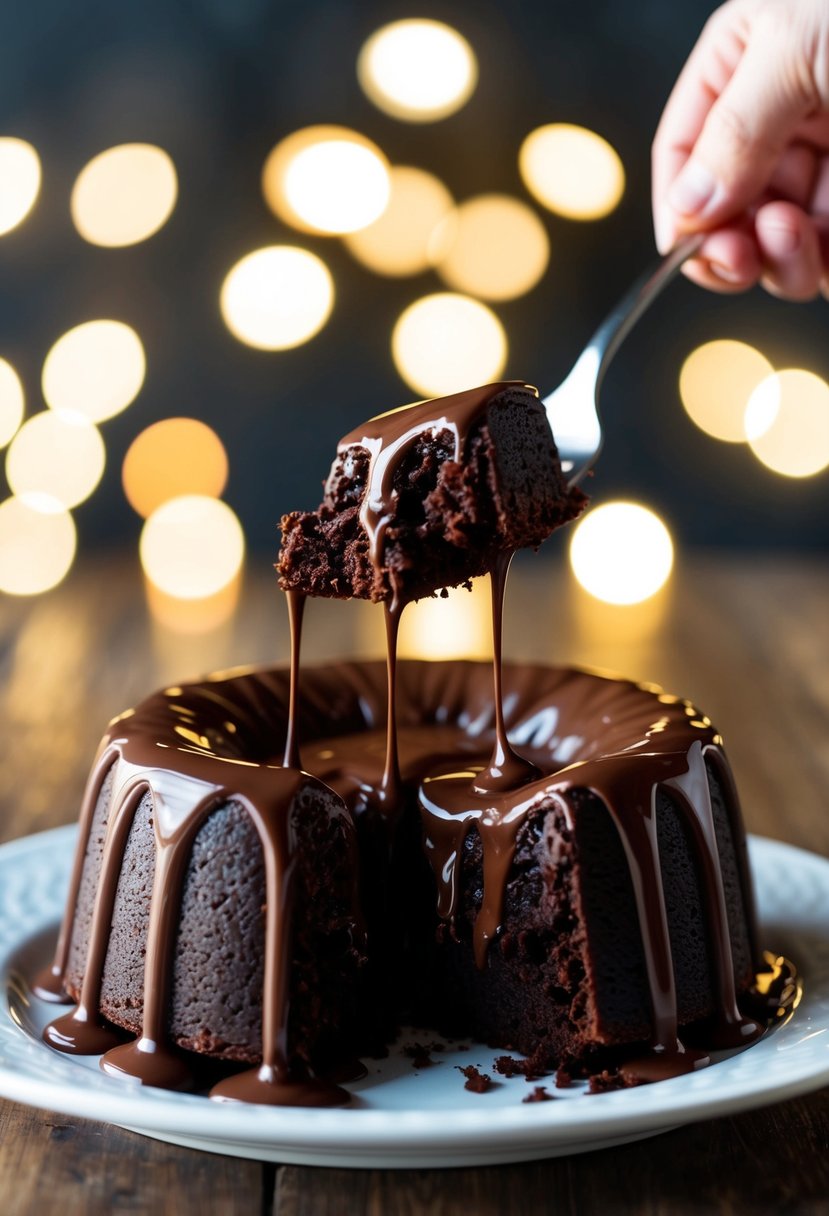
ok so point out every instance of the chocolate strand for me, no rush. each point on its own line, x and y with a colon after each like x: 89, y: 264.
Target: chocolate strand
x: 48, y: 985
x: 296, y: 610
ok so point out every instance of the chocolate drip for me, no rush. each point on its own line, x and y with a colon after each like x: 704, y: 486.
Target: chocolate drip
x: 199, y: 747
x: 692, y: 788
x: 184, y: 793
x: 628, y: 784
x: 506, y: 769
x: 296, y: 611
x: 390, y: 436
x: 273, y: 1083
x: 83, y: 1031
x: 389, y: 793
x: 49, y: 984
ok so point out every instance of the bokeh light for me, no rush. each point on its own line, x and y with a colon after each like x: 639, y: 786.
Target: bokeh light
x: 458, y: 625
x: 278, y: 297
x: 193, y: 616
x: 95, y: 369
x: 417, y: 70
x: 19, y: 181
x: 191, y: 547
x: 397, y: 243
x: 36, y: 548
x: 55, y: 460
x: 124, y: 195
x: 492, y: 246
x: 326, y: 179
x: 445, y: 342
x: 12, y: 402
x: 170, y: 458
x: 572, y: 171
x: 787, y: 422
x: 621, y: 552
x: 715, y: 384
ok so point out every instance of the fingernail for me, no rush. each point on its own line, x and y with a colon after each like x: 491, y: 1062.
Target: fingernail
x: 696, y: 191
x: 664, y: 231
x: 723, y: 272
x: 781, y: 241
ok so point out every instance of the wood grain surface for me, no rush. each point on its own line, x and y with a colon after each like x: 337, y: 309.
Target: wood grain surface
x: 746, y: 638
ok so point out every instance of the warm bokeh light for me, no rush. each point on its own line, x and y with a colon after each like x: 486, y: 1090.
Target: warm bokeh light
x: 572, y: 171
x: 170, y: 458
x: 621, y: 552
x: 36, y: 548
x: 278, y: 297
x: 194, y: 616
x: 491, y: 246
x: 124, y: 195
x: 326, y: 179
x: 787, y: 422
x: 192, y: 547
x: 445, y: 342
x: 715, y: 384
x: 12, y: 402
x: 456, y: 626
x: 95, y: 369
x: 19, y: 181
x: 55, y: 460
x: 397, y: 243
x: 417, y: 70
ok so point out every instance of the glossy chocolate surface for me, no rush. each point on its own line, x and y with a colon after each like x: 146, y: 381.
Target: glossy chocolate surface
x: 197, y: 746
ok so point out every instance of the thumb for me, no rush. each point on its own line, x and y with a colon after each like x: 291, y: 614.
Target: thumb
x: 746, y: 129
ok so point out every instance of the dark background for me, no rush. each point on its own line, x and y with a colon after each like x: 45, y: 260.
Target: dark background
x: 217, y: 83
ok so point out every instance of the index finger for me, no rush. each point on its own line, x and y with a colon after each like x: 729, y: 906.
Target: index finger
x: 710, y: 66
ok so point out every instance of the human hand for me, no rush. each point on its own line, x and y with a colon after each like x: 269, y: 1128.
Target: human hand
x: 742, y: 150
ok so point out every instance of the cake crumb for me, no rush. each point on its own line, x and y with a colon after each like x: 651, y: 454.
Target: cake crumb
x: 539, y: 1094
x: 564, y: 1079
x: 607, y: 1081
x: 530, y: 1068
x: 477, y: 1082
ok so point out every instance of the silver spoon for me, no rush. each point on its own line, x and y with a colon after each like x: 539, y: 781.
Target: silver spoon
x: 573, y: 409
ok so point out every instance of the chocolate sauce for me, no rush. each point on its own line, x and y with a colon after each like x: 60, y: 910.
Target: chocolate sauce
x: 192, y: 750
x: 506, y: 769
x: 296, y: 610
x: 389, y: 792
x: 389, y: 437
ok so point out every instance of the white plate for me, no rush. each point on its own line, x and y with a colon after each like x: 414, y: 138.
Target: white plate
x: 401, y: 1118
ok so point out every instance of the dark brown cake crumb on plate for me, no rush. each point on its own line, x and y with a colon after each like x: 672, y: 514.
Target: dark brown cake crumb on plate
x: 530, y: 1068
x: 539, y: 1094
x: 476, y: 1082
x: 606, y: 1081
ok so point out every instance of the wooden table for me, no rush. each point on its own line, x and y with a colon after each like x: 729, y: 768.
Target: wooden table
x: 746, y: 638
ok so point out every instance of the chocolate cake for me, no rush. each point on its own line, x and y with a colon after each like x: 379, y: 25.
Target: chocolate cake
x: 275, y: 868
x: 426, y: 496
x: 548, y: 896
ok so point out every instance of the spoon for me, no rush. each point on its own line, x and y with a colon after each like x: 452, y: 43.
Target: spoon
x: 573, y: 408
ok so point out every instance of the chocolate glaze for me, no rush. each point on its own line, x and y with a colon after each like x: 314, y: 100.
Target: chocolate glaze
x: 194, y: 749
x: 296, y: 611
x: 388, y: 437
x: 506, y: 769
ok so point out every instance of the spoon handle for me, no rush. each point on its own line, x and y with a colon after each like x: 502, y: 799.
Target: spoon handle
x: 617, y: 325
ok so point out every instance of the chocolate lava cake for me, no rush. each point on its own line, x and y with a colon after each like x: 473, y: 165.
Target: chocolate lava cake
x: 566, y: 974
x: 425, y: 496
x: 550, y: 860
